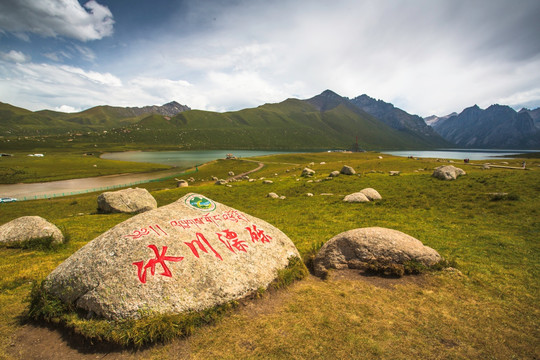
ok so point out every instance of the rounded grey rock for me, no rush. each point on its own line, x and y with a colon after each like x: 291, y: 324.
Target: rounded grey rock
x: 190, y: 255
x: 126, y: 201
x: 448, y: 172
x: 347, y: 170
x: 353, y: 248
x: 29, y: 228
x: 371, y: 194
x: 356, y: 198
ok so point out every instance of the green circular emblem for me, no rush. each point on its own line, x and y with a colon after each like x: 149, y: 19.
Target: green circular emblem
x: 200, y: 202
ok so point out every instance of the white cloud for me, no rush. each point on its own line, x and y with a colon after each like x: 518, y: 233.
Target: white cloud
x: 14, y: 56
x: 52, y: 18
x: 68, y: 88
x: 67, y: 109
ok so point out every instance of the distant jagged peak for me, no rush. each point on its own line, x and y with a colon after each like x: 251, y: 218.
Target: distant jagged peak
x: 169, y: 109
x: 327, y: 100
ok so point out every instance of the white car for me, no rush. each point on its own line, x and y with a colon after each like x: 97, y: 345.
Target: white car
x: 7, y: 199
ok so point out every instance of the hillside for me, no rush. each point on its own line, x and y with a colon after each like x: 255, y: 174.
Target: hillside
x: 326, y: 121
x: 18, y: 121
x: 498, y: 126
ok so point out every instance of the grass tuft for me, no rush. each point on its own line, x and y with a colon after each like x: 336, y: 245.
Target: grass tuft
x: 296, y: 270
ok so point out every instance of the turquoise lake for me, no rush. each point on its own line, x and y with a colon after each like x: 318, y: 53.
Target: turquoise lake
x: 187, y: 159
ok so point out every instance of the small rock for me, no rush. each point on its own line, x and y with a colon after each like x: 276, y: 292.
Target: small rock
x: 182, y: 183
x: 448, y: 172
x: 395, y: 173
x: 268, y: 182
x: 272, y: 195
x: 347, y: 170
x: 371, y: 194
x: 334, y: 173
x: 282, y: 197
x: 356, y: 198
x: 307, y: 172
x: 309, y: 194
x: 380, y: 157
x: 231, y: 173
x: 323, y: 163
x: 221, y: 182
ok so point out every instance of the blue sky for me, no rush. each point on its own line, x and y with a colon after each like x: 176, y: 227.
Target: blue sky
x: 427, y: 57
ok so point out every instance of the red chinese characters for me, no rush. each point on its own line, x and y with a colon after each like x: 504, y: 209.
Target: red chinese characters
x: 197, y: 241
x: 160, y: 259
x: 230, y: 239
x: 227, y: 236
x: 258, y: 234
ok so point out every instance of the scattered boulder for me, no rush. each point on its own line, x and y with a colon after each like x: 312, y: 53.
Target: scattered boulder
x: 309, y: 194
x: 334, y: 173
x: 394, y: 173
x: 28, y: 228
x: 379, y: 157
x: 356, y: 198
x: 221, y: 182
x: 371, y: 194
x: 214, y: 178
x: 126, y: 201
x: 273, y: 195
x: 307, y: 172
x: 364, y: 247
x: 486, y: 167
x: 190, y: 255
x: 448, y: 172
x: 231, y: 173
x: 182, y: 183
x: 347, y: 170
x: 268, y: 182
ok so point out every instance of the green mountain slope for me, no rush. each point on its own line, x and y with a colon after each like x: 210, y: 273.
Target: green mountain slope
x: 324, y: 121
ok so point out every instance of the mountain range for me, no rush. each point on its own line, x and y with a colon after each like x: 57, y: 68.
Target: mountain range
x: 327, y: 120
x: 498, y: 126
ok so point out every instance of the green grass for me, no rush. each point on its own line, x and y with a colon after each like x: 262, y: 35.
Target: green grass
x: 491, y: 311
x: 61, y: 166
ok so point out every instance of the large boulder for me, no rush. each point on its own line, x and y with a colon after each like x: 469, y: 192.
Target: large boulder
x: 190, y: 255
x: 448, y: 172
x: 126, y: 201
x: 347, y: 170
x: 28, y: 228
x: 357, y: 248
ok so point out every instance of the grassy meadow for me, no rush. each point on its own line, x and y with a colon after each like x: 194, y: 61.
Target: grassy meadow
x: 489, y: 309
x: 21, y: 168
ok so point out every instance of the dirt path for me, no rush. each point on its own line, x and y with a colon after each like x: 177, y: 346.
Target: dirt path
x: 235, y: 177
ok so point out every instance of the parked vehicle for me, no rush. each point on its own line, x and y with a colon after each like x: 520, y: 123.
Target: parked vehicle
x: 7, y: 199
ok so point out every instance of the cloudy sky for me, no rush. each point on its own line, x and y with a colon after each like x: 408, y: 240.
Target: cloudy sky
x: 425, y: 56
